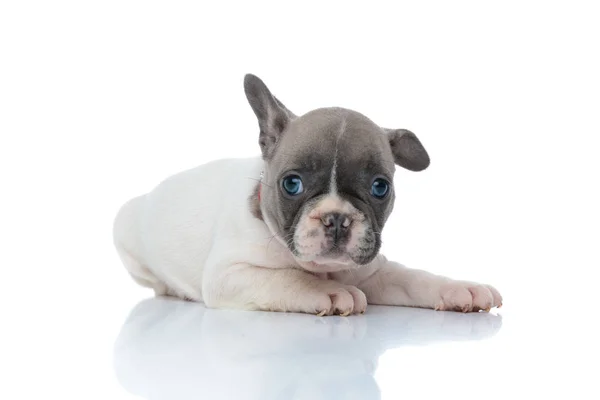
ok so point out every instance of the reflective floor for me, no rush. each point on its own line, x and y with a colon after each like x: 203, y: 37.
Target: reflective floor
x: 169, y: 349
x: 125, y: 345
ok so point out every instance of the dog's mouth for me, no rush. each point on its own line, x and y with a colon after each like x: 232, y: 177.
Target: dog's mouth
x: 317, y: 250
x: 330, y: 258
x: 328, y: 235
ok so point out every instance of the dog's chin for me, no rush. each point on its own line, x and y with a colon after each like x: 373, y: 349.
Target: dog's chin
x: 326, y: 264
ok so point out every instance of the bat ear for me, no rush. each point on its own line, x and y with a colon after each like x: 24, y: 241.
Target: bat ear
x: 273, y: 117
x: 407, y: 149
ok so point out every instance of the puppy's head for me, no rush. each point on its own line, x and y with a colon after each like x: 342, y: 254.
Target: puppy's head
x: 327, y: 188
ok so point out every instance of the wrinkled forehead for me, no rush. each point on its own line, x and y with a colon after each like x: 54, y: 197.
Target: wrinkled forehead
x: 317, y: 139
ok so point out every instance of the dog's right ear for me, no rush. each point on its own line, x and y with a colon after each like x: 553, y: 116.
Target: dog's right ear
x: 272, y: 115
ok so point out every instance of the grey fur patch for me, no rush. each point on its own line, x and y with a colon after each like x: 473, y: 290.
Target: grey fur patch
x: 272, y: 115
x: 408, y: 150
x: 307, y: 149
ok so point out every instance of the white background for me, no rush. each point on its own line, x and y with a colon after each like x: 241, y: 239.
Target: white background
x: 99, y: 101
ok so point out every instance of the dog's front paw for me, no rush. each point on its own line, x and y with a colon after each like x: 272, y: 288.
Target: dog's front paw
x: 467, y: 297
x: 342, y: 301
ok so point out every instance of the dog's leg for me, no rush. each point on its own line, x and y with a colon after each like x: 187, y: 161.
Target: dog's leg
x: 249, y: 287
x: 394, y: 284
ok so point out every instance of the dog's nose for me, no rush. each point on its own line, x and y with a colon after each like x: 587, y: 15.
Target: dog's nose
x: 336, y: 224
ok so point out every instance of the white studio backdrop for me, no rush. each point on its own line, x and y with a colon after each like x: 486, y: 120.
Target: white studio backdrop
x: 99, y: 101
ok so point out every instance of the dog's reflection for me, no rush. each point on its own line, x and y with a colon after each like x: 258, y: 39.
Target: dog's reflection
x: 169, y: 349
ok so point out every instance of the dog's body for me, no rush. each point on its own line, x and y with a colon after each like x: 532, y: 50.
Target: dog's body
x: 297, y: 229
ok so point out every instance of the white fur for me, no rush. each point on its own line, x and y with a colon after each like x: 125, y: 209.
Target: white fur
x: 194, y: 237
x: 333, y: 177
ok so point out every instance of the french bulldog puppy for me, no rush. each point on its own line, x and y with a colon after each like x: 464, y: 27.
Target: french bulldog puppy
x: 297, y: 229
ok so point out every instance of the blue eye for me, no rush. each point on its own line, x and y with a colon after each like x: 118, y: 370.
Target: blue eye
x: 380, y: 188
x: 292, y: 184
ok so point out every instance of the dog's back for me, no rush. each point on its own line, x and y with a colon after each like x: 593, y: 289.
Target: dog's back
x: 165, y: 237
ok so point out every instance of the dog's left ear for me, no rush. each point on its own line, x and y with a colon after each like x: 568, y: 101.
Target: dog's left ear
x: 272, y: 115
x: 407, y: 149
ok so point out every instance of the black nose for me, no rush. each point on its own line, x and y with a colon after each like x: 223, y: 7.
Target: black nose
x: 336, y: 225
